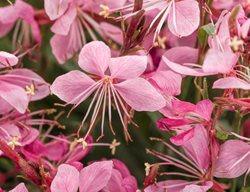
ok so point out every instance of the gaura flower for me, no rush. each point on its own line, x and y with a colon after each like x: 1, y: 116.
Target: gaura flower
x: 195, y: 165
x: 183, y: 17
x: 18, y: 87
x: 185, y: 119
x: 20, y: 15
x: 110, y: 176
x: 71, y: 23
x: 114, y: 79
x: 222, y: 57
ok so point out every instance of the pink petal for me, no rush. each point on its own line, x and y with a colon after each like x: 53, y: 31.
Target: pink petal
x: 95, y: 58
x: 56, y: 149
x: 119, y: 165
x: 205, y: 109
x: 113, y: 32
x: 219, y: 62
x: 179, y: 55
x: 5, y: 106
x: 127, y: 67
x: 96, y: 176
x: 140, y: 95
x: 28, y: 136
x: 231, y: 83
x: 5, y: 28
x: 63, y: 24
x: 70, y: 85
x: 15, y: 96
x: 233, y: 159
x: 55, y: 8
x: 167, y: 124
x: 170, y: 186
x: 182, y: 107
x: 183, y: 137
x: 167, y: 83
x: 197, y: 147
x: 66, y: 46
x: 221, y: 41
x: 223, y: 4
x: 129, y: 184
x: 115, y: 182
x: 7, y: 59
x: 184, y: 70
x: 26, y: 77
x: 245, y: 28
x: 198, y: 188
x: 184, y: 18
x: 66, y: 179
x: 20, y: 188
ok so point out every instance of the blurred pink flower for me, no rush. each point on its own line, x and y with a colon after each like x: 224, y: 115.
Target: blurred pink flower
x: 71, y: 23
x: 21, y: 14
x: 99, y: 176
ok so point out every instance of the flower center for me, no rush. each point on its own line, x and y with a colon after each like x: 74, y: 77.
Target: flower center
x: 107, y: 80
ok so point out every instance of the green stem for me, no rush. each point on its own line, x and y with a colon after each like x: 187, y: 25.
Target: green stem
x: 202, y: 51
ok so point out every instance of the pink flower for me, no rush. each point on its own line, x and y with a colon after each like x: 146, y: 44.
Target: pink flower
x: 11, y: 14
x: 196, y: 165
x: 71, y: 23
x: 60, y: 149
x: 183, y: 17
x: 233, y: 159
x: 115, y: 79
x: 186, y: 117
x: 220, y: 59
x: 7, y: 59
x: 99, y: 176
x: 18, y: 130
x: 18, y: 87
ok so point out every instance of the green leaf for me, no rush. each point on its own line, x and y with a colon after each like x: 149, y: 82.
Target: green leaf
x: 221, y: 135
x: 245, y: 189
x: 204, y: 31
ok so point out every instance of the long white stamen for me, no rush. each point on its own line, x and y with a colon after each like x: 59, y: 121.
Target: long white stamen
x: 89, y: 108
x: 109, y: 110
x: 103, y: 112
x: 120, y: 115
x: 177, y: 152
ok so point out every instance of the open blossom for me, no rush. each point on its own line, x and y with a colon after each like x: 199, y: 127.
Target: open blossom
x: 114, y: 79
x: 185, y: 119
x: 112, y: 176
x: 71, y: 23
x: 18, y: 87
x: 99, y: 176
x: 18, y: 130
x: 20, y: 15
x: 196, y: 166
x: 220, y: 58
x: 183, y: 17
